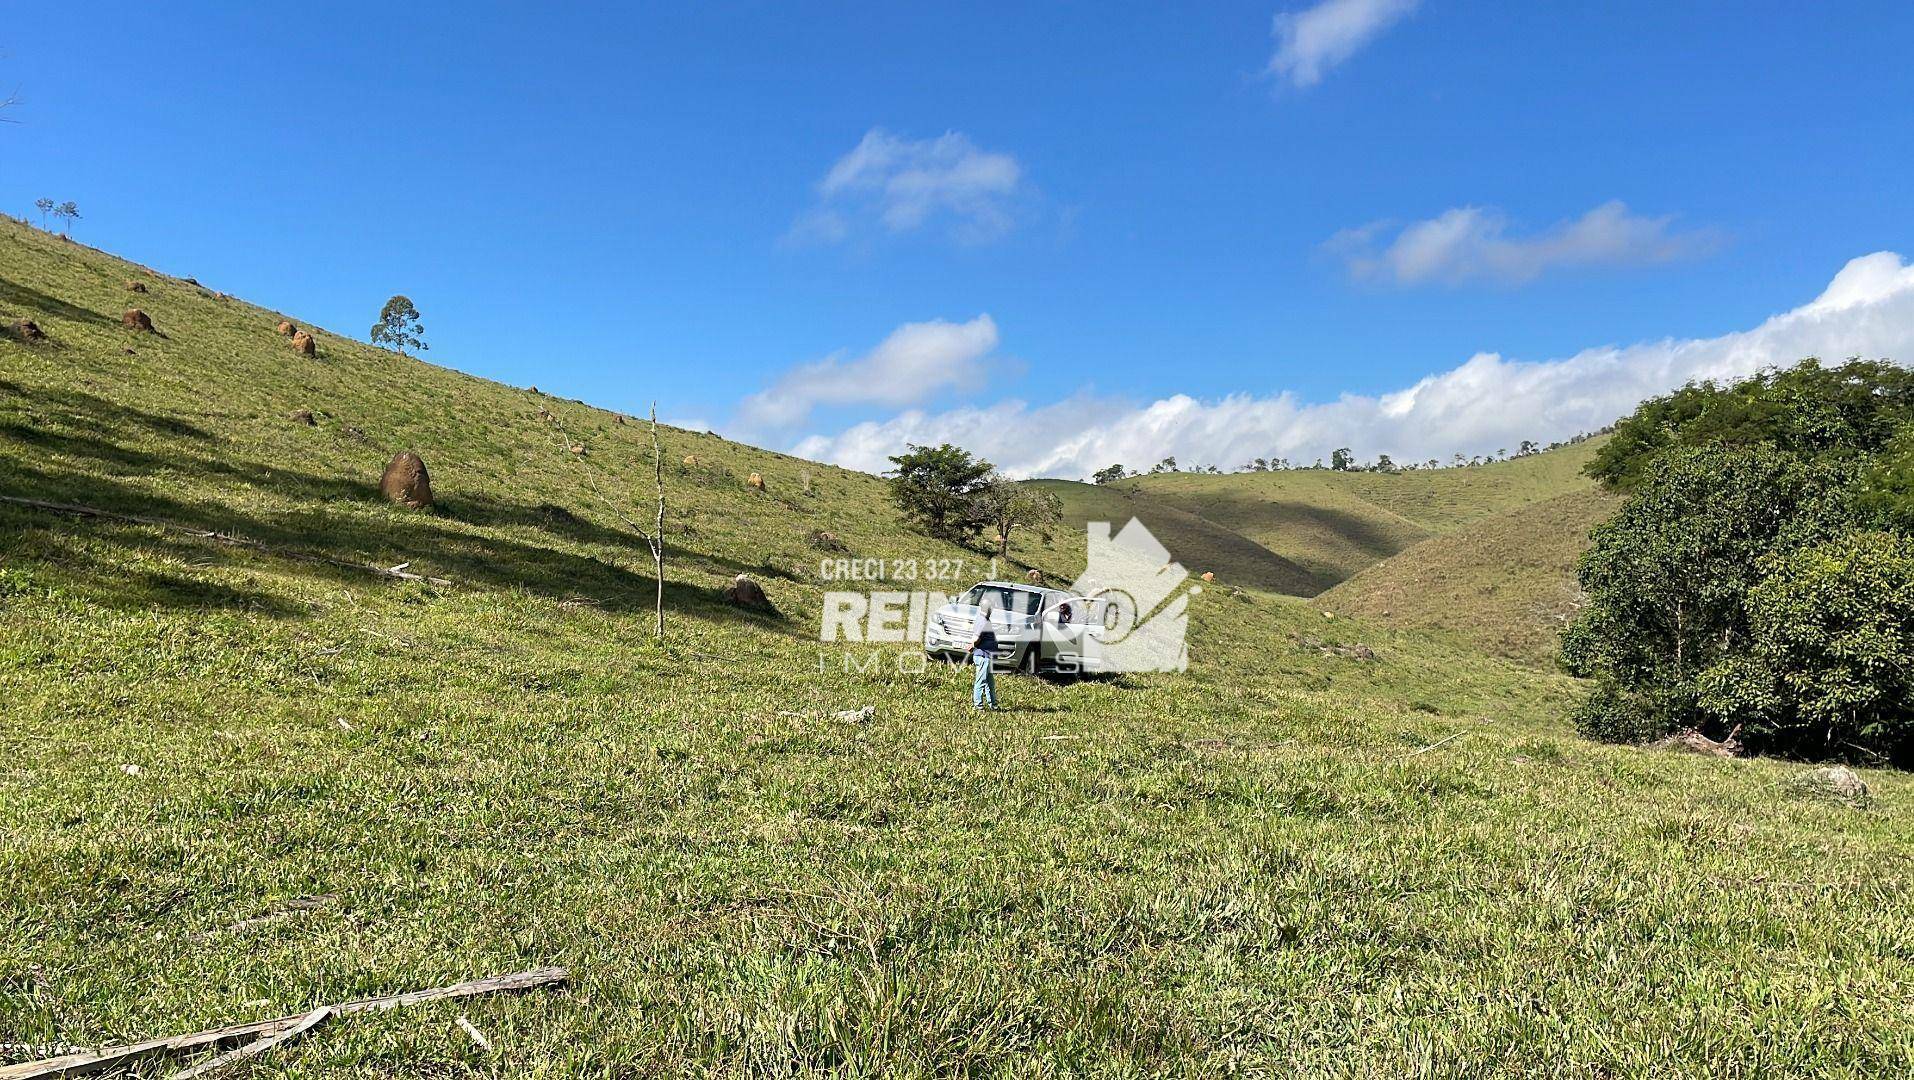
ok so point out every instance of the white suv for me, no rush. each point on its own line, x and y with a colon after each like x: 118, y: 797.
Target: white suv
x: 1038, y: 629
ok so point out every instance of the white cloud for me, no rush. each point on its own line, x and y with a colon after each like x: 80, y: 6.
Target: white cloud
x: 916, y: 361
x: 1311, y: 41
x: 907, y: 184
x: 1470, y: 242
x: 1485, y: 404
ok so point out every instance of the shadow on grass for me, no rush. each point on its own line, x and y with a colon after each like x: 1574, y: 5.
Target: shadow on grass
x: 102, y: 413
x: 12, y: 292
x: 388, y: 538
x: 343, y: 519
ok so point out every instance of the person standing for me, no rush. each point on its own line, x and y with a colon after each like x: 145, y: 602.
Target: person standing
x: 983, y: 654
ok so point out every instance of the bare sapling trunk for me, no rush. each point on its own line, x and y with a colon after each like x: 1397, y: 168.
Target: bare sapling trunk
x: 653, y: 536
x: 657, y: 538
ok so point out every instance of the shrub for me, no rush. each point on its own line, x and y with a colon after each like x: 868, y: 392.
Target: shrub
x: 1612, y: 714
x: 1831, y: 659
x: 1667, y: 577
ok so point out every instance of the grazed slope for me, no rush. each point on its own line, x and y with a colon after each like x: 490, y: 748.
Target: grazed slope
x: 1200, y: 545
x: 1334, y: 524
x: 1504, y: 583
x: 1245, y: 868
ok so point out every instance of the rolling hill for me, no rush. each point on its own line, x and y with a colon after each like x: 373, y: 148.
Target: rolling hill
x: 1486, y: 553
x: 1504, y: 583
x: 1336, y: 523
x: 247, y: 770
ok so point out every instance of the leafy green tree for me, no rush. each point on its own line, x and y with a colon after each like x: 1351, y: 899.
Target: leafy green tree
x: 1885, y: 492
x: 399, y: 327
x: 1385, y: 464
x: 1667, y: 577
x: 1002, y: 505
x: 1830, y: 663
x: 1809, y: 410
x: 1108, y: 476
x: 1342, y: 460
x: 1168, y: 464
x: 935, y: 486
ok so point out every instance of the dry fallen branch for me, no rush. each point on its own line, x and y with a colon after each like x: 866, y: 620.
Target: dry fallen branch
x: 293, y: 906
x: 1434, y: 744
x: 257, y: 1047
x: 87, y: 1064
x: 218, y: 537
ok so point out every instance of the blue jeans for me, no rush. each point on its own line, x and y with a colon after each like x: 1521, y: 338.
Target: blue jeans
x: 983, y: 694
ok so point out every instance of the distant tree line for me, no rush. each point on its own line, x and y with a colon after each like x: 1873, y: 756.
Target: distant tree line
x: 1343, y: 459
x: 1759, y: 579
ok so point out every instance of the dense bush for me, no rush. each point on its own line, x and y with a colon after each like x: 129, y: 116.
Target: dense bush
x: 1830, y: 662
x: 1613, y: 714
x: 1667, y: 576
x: 1806, y: 411
x: 1759, y: 573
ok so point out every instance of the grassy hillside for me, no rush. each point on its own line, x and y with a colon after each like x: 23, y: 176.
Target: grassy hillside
x: 1505, y: 583
x: 1333, y: 524
x: 239, y: 782
x: 1197, y: 543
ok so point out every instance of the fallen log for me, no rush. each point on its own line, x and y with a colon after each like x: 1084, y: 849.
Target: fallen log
x: 86, y: 1064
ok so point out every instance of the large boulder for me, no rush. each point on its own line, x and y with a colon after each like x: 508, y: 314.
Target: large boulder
x: 746, y: 593
x: 135, y: 319
x: 405, y: 481
x: 28, y: 330
x: 755, y: 481
x: 286, y: 328
x: 136, y: 286
x: 303, y: 344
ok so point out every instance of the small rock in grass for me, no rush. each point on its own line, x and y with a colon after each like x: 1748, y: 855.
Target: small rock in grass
x: 28, y: 330
x: 857, y: 716
x: 745, y: 592
x: 131, y: 769
x: 136, y: 286
x: 303, y: 344
x: 1835, y: 782
x: 755, y: 481
x: 303, y: 416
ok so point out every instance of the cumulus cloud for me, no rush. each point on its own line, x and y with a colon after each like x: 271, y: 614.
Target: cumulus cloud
x: 903, y: 185
x: 1473, y: 243
x: 1311, y: 41
x: 1486, y: 403
x: 916, y: 361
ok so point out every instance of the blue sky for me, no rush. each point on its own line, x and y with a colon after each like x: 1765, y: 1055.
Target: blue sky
x: 1285, y: 202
